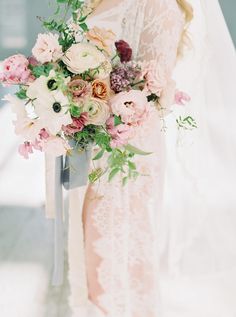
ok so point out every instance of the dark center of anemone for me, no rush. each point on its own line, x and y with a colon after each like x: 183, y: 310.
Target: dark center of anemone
x: 128, y: 104
x: 52, y: 84
x: 57, y: 107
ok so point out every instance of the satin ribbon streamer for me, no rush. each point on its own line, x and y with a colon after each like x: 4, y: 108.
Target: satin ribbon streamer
x: 71, y: 172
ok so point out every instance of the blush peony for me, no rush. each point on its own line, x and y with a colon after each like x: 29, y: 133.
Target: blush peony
x: 132, y: 107
x: 14, y: 70
x: 47, y: 48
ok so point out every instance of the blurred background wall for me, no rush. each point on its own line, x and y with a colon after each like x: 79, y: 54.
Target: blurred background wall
x: 19, y: 26
x: 229, y: 10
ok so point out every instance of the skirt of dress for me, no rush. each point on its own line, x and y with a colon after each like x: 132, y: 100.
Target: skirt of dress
x: 121, y: 233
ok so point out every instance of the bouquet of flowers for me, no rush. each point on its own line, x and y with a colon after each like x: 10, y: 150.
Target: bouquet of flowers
x: 81, y: 88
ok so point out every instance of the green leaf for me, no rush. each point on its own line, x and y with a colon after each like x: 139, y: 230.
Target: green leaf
x: 50, y: 25
x: 75, y: 16
x: 75, y: 111
x: 187, y: 123
x: 95, y: 175
x: 82, y: 19
x: 21, y: 94
x: 41, y: 70
x: 84, y: 27
x: 131, y: 165
x: 62, y: 1
x: 99, y: 155
x: 135, y: 150
x: 125, y: 180
x: 57, y: 10
x: 113, y: 173
x: 117, y: 120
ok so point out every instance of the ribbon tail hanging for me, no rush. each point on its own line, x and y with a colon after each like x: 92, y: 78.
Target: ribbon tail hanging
x: 58, y: 273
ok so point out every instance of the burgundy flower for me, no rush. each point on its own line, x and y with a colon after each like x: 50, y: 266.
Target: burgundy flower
x: 124, y: 51
x: 77, y: 125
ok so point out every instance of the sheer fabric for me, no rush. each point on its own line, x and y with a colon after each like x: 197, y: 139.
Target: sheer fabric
x: 120, y: 223
x: 199, y: 218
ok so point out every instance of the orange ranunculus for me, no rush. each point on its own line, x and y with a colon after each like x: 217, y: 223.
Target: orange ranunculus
x: 100, y: 89
x: 102, y: 38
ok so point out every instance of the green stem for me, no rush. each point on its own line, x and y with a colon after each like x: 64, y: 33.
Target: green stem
x: 139, y: 82
x: 66, y: 11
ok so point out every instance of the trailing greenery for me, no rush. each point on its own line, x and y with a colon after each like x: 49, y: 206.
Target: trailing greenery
x: 58, y: 23
x: 187, y: 123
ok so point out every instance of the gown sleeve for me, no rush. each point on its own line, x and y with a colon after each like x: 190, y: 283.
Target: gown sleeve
x: 159, y: 43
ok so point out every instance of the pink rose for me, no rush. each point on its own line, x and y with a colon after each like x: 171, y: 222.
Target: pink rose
x: 14, y: 70
x: 47, y: 48
x: 124, y: 51
x: 80, y: 89
x: 132, y: 107
x: 120, y: 134
x: 181, y: 98
x: 77, y: 125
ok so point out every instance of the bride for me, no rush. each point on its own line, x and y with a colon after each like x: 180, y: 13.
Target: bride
x: 120, y: 223
x: 116, y: 239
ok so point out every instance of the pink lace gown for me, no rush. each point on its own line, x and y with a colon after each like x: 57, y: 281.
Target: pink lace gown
x: 121, y: 223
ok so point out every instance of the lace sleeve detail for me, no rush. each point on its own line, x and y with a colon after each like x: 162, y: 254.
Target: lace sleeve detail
x: 162, y: 28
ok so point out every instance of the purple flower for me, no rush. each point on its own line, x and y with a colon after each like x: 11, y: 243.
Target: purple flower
x: 123, y: 76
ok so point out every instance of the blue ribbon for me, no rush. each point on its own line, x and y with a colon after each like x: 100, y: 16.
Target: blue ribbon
x: 71, y: 172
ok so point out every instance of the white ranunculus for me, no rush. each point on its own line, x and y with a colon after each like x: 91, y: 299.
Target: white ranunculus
x: 81, y: 57
x: 52, y: 110
x: 98, y: 111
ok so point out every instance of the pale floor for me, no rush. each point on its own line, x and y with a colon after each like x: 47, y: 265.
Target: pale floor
x: 26, y: 252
